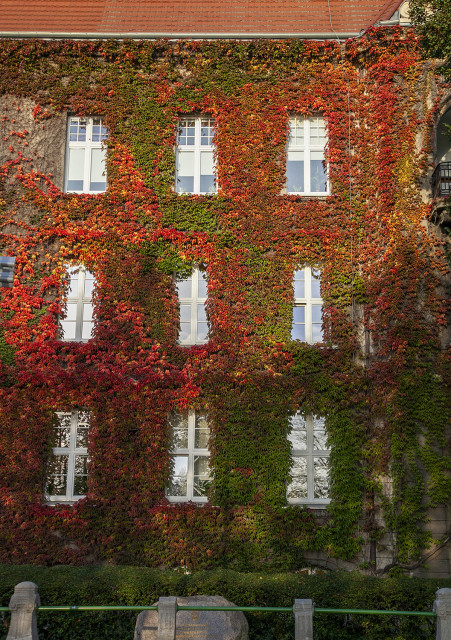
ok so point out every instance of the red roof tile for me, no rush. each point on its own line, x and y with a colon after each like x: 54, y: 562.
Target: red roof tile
x: 172, y: 17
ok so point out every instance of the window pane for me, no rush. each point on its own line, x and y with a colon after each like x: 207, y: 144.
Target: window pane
x: 99, y: 132
x: 179, y: 430
x: 77, y: 130
x: 317, y: 172
x: 298, y: 326
x: 296, y: 137
x: 299, y: 283
x: 87, y: 330
x: 61, y: 436
x: 71, y: 312
x: 82, y: 436
x: 297, y: 489
x: 184, y: 288
x: 201, y: 313
x: 178, y: 482
x: 206, y: 131
x: 81, y: 465
x: 321, y: 477
x: 317, y: 325
x: 187, y: 130
x: 298, y: 434
x: 295, y: 172
x: 316, y: 313
x: 80, y: 485
x: 185, y: 331
x: 201, y: 476
x: 316, y: 283
x: 185, y: 313
x: 68, y: 330
x: 206, y: 163
x: 89, y: 284
x: 207, y: 184
x: 185, y: 164
x: 73, y: 273
x: 317, y: 132
x: 57, y: 475
x: 185, y: 172
x: 76, y: 160
x: 87, y: 312
x: 81, y: 475
x: 319, y: 434
x: 202, y: 331
x: 202, y: 431
x: 202, y: 285
x: 98, y: 170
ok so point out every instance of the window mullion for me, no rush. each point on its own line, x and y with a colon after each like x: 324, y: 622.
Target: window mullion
x: 310, y: 473
x: 87, y: 171
x: 307, y: 186
x: 190, y: 476
x: 79, y: 308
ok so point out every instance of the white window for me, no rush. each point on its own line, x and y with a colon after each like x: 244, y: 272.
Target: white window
x: 307, y: 323
x: 78, y: 321
x: 306, y: 173
x: 68, y: 466
x: 85, y: 155
x: 192, y: 293
x: 190, y: 476
x: 195, y: 163
x: 310, y: 460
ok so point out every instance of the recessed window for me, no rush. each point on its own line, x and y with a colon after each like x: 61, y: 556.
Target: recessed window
x: 310, y: 460
x: 78, y: 324
x: 306, y: 172
x: 307, y: 323
x: 85, y: 155
x: 192, y: 293
x: 190, y: 476
x: 195, y: 162
x: 67, y: 470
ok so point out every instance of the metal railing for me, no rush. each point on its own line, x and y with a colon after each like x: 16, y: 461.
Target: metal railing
x: 441, y: 180
x: 25, y: 603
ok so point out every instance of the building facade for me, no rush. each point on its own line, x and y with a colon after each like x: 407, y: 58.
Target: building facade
x: 226, y: 343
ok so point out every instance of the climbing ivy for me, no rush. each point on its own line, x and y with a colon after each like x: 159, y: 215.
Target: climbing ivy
x: 378, y: 379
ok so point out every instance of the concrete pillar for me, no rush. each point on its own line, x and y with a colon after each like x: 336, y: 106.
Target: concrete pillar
x: 23, y: 605
x: 442, y: 607
x: 167, y: 611
x: 303, y: 620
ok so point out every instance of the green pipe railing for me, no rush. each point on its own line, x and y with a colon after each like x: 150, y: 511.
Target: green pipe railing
x: 376, y: 612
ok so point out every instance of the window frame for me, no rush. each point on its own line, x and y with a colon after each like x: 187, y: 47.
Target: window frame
x: 307, y: 302
x: 193, y: 301
x: 80, y: 300
x: 70, y: 452
x: 196, y: 148
x: 309, y: 453
x: 88, y: 145
x: 191, y: 452
x: 307, y: 149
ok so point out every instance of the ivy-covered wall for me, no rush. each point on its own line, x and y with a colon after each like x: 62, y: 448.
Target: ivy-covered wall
x: 379, y: 378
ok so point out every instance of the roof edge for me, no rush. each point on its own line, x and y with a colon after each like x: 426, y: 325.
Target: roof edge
x: 56, y: 35
x: 386, y: 12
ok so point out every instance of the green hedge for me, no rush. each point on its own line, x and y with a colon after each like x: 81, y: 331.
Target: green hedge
x: 137, y: 586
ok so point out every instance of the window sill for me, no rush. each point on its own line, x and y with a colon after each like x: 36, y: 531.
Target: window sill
x: 184, y: 500
x: 49, y: 502
x: 311, y: 505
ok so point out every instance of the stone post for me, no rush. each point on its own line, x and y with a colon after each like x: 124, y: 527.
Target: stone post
x: 167, y: 611
x: 303, y: 620
x: 23, y: 605
x: 442, y: 607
